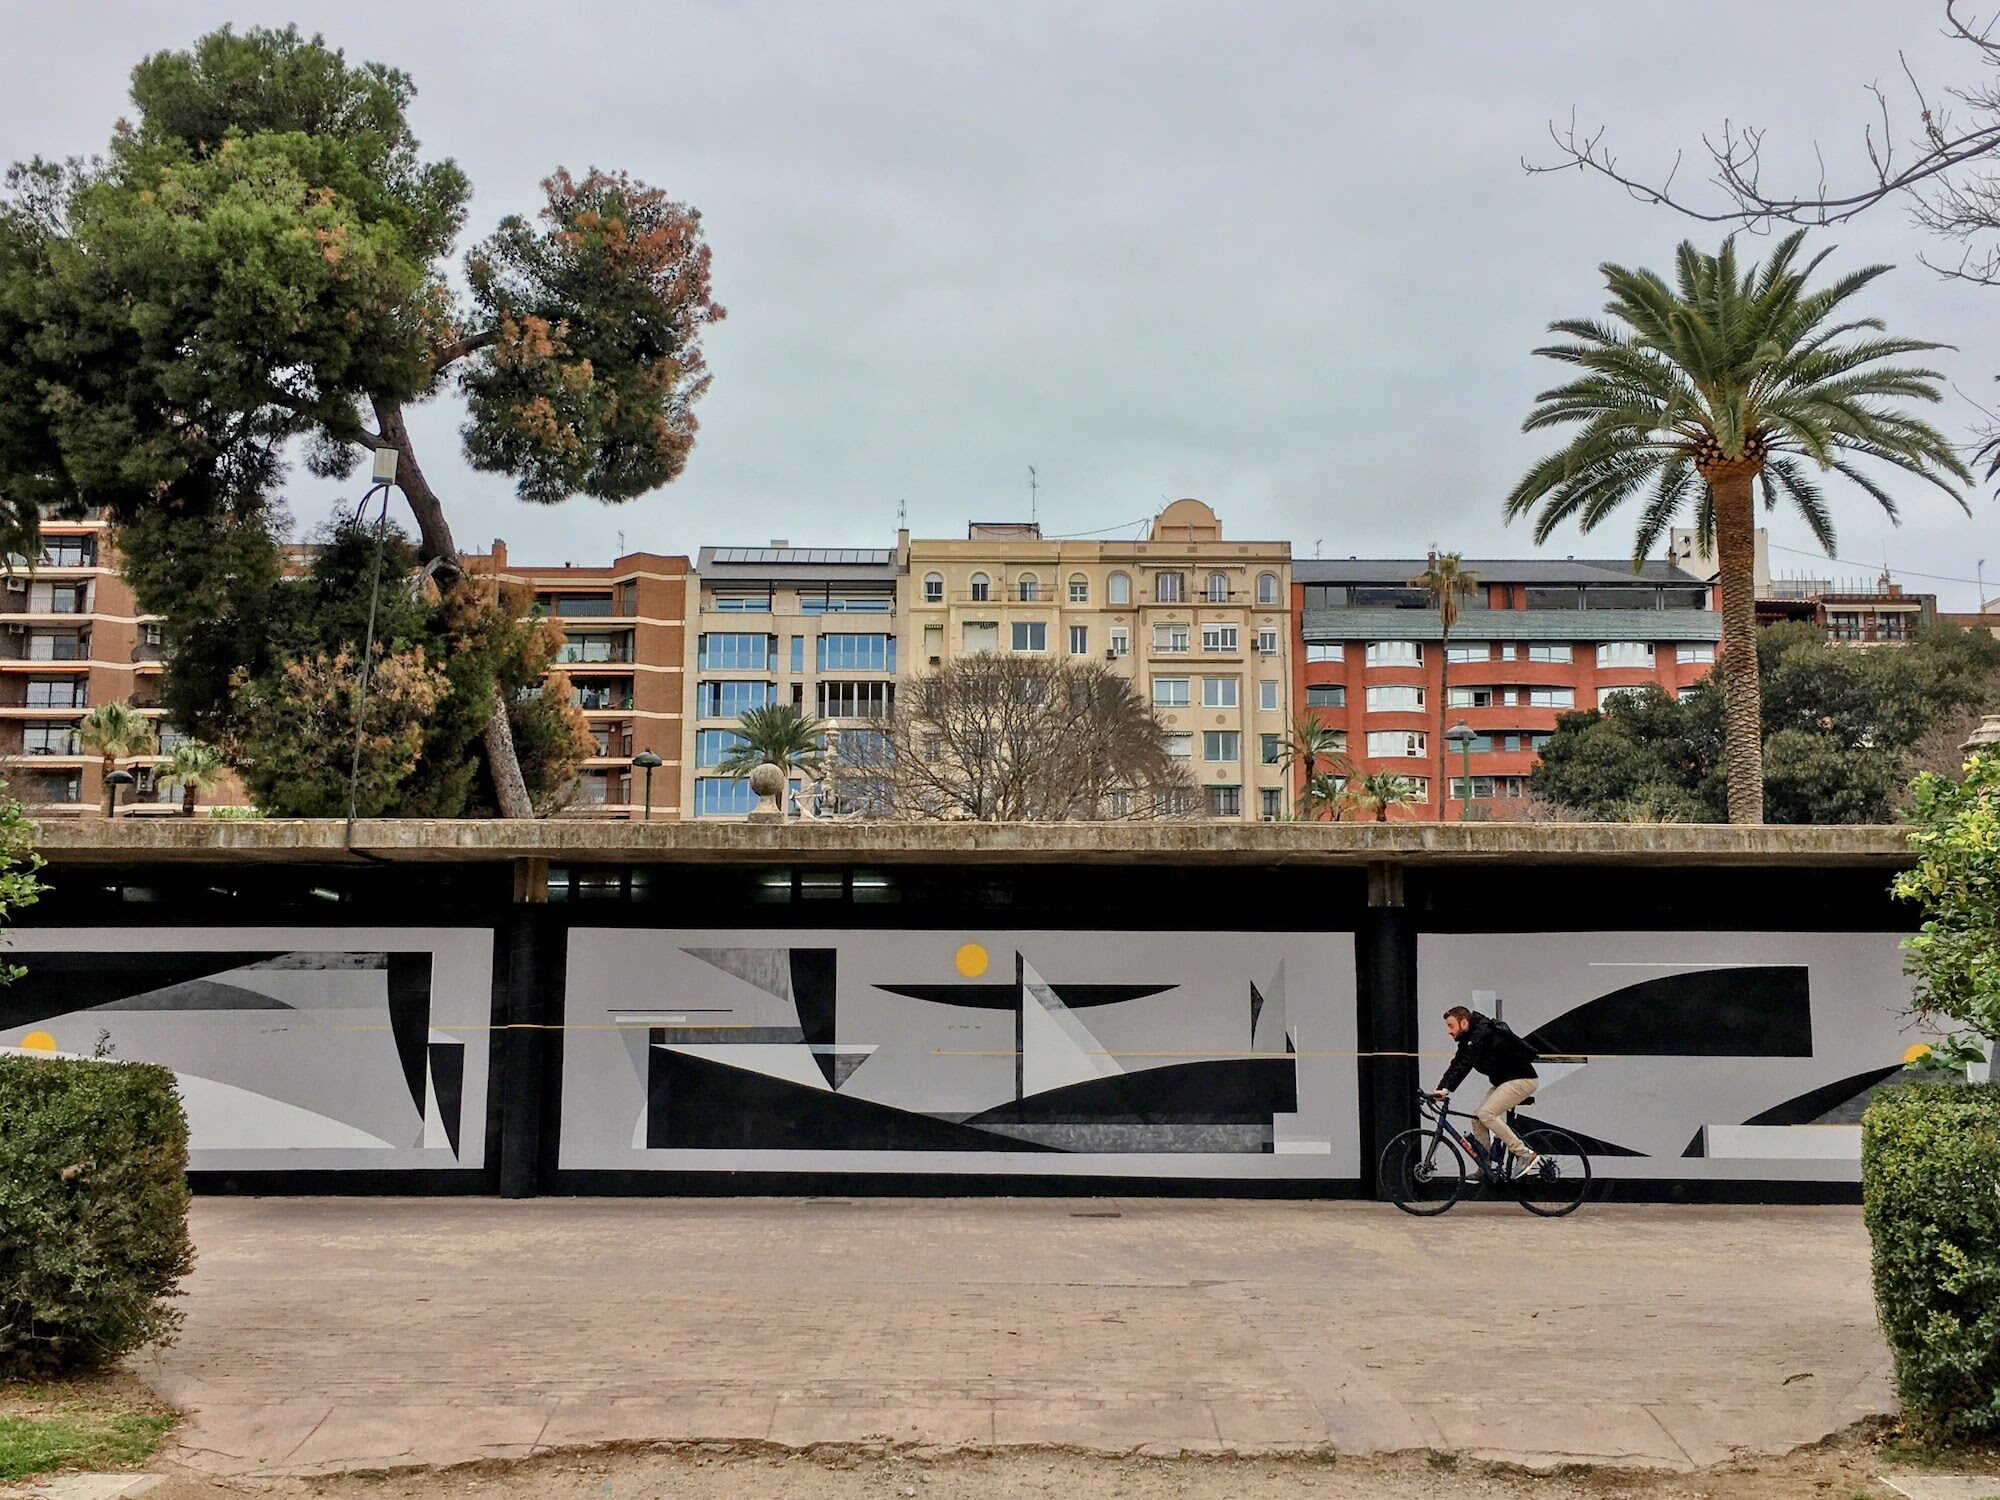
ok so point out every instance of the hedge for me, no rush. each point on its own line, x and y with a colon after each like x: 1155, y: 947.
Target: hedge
x: 1930, y: 1174
x: 93, y: 1212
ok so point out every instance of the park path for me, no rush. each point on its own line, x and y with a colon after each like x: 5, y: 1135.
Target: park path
x: 330, y: 1334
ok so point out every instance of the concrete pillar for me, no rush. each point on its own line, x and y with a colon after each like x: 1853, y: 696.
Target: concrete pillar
x: 533, y: 1006
x: 1386, y: 974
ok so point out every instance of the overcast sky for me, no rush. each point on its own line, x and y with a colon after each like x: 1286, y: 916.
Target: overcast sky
x: 1281, y: 257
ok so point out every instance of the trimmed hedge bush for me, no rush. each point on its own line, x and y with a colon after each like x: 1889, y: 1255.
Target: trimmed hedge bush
x: 1930, y: 1174
x: 93, y: 1211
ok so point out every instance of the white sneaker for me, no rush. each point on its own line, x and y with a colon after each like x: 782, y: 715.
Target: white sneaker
x: 1530, y: 1168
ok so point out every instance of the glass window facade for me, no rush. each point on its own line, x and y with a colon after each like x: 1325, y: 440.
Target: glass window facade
x: 731, y: 700
x: 856, y: 653
x: 735, y: 653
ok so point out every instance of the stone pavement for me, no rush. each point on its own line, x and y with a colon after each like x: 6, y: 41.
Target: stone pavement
x: 331, y: 1334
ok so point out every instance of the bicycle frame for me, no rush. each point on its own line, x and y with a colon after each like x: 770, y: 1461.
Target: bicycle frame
x: 1492, y: 1159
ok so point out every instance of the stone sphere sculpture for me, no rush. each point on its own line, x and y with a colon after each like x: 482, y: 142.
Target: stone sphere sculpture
x: 768, y: 782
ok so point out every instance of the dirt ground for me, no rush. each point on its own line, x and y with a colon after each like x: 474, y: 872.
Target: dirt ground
x: 1845, y: 1468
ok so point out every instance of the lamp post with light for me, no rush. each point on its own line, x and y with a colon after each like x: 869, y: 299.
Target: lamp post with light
x: 1461, y: 737
x: 115, y: 783
x: 384, y: 481
x: 648, y: 762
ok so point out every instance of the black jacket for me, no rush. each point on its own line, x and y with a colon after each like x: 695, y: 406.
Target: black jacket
x: 1494, y: 1050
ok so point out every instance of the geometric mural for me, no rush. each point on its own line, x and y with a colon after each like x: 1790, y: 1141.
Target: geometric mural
x: 1690, y: 1054
x: 324, y: 1053
x: 970, y: 1052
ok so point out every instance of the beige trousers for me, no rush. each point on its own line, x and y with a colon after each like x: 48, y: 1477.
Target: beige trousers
x: 1490, y: 1119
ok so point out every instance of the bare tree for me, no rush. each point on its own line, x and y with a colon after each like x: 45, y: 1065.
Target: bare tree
x: 1014, y: 739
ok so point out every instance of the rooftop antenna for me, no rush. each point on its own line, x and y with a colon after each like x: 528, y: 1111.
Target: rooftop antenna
x: 1319, y: 547
x: 1034, y: 493
x: 621, y: 544
x: 902, y: 514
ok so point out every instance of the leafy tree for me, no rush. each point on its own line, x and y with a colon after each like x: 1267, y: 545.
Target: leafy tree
x: 1372, y: 796
x: 1447, y: 580
x: 197, y: 767
x: 261, y: 257
x: 1693, y: 395
x: 1317, y: 751
x: 1955, y: 955
x: 779, y: 734
x: 1839, y: 723
x: 114, y: 732
x: 1324, y: 796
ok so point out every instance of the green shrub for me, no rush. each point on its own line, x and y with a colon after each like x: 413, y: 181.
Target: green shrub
x: 93, y: 1211
x: 1930, y: 1174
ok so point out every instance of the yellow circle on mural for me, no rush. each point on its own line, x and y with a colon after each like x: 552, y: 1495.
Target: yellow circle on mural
x: 38, y: 1041
x: 971, y: 960
x: 1916, y: 1054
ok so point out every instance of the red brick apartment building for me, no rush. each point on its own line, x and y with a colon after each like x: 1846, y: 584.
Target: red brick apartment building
x: 1536, y: 638
x: 624, y: 643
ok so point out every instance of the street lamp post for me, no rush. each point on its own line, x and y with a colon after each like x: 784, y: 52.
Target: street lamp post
x: 385, y: 481
x: 1460, y: 737
x: 648, y: 762
x: 115, y: 783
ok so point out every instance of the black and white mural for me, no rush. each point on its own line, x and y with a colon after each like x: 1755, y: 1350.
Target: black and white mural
x: 1171, y: 1054
x: 294, y: 1048
x: 1720, y: 1055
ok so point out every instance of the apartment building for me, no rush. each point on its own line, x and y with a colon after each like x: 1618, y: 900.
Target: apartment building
x: 1851, y: 611
x: 813, y: 627
x: 1535, y: 639
x: 72, y: 637
x: 624, y: 650
x: 1199, y: 624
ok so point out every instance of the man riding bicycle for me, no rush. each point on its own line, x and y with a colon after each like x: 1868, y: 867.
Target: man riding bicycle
x: 1507, y: 1062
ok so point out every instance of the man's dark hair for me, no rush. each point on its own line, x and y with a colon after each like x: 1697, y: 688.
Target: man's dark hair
x: 1458, y: 1013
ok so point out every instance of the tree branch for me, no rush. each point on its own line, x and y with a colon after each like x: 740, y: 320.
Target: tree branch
x: 447, y: 354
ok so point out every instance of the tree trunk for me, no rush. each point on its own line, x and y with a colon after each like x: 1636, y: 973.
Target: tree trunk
x: 187, y: 800
x: 1444, y: 697
x: 1730, y: 485
x: 510, y: 787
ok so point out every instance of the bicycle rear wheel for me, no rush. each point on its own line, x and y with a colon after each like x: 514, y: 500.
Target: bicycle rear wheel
x: 1559, y: 1186
x: 1424, y: 1173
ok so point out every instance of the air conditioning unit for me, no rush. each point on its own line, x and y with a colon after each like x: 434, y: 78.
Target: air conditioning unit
x: 936, y: 659
x: 16, y: 584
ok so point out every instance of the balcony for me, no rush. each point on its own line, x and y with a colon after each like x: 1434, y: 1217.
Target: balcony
x: 594, y: 653
x: 29, y: 645
x: 603, y: 697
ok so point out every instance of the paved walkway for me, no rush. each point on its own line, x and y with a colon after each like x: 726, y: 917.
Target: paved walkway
x: 328, y: 1334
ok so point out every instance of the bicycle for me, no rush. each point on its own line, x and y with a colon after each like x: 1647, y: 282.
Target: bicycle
x: 1427, y: 1169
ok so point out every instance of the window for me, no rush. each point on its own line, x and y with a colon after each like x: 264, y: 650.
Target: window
x: 1218, y: 588
x: 1325, y: 651
x: 982, y: 635
x: 1552, y: 697
x: 1479, y: 697
x: 58, y: 692
x: 1395, y: 700
x: 732, y: 653
x: 856, y: 653
x: 724, y: 700
x: 1395, y: 654
x: 1118, y: 588
x: 1267, y: 697
x: 826, y: 602
x: 1325, y: 596
x: 982, y: 588
x: 1267, y: 643
x: 711, y: 746
x: 1619, y: 598
x: 856, y: 700
x: 1225, y: 801
x: 1180, y: 746
x: 1221, y: 746
x: 799, y: 653
x: 60, y: 598
x: 723, y: 796
x: 1484, y: 788
x: 1460, y: 654
x: 1697, y: 653
x: 1325, y: 695
x: 616, y: 692
x: 933, y: 588
x: 602, y: 648
x: 1028, y: 588
x: 1684, y: 598
x: 1624, y: 654
x: 152, y: 634
x: 758, y: 603
x: 1168, y: 639
x: 1552, y: 653
x: 57, y: 645
x: 1170, y: 588
x: 48, y: 739
x: 1270, y: 804
x: 1547, y: 598
x: 1218, y: 637
x: 575, y: 604
x: 1031, y: 635
x: 1120, y: 642
x: 1218, y: 692
x: 1538, y: 742
x: 1079, y: 640
x: 1269, y: 748
x: 1079, y: 589
x: 1267, y: 588
x: 1388, y: 744
x: 933, y: 642
x: 68, y: 552
x: 1170, y: 692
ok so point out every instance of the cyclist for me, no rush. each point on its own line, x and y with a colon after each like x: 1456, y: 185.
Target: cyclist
x: 1509, y: 1065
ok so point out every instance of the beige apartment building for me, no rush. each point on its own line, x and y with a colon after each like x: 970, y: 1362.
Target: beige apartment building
x: 1199, y: 624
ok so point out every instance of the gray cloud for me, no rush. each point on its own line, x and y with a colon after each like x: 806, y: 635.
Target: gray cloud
x: 1282, y: 257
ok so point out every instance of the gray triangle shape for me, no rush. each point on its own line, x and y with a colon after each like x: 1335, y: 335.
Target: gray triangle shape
x: 766, y: 969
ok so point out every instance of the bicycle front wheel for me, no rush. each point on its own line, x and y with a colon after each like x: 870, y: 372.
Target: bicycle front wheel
x: 1424, y: 1173
x: 1558, y: 1186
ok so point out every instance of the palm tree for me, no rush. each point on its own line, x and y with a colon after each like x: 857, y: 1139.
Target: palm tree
x: 1694, y: 394
x: 1324, y: 793
x: 197, y: 767
x: 114, y: 731
x: 1446, y: 580
x: 1379, y: 791
x: 1309, y: 746
x: 777, y: 733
